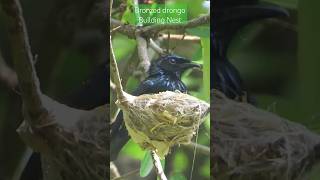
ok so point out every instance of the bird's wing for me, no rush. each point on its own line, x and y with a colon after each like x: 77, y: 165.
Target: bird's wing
x: 148, y: 86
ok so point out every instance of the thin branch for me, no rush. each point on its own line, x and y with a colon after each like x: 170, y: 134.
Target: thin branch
x: 190, y: 24
x: 156, y: 47
x: 110, y: 10
x: 130, y: 30
x: 158, y: 166
x: 200, y: 148
x: 143, y: 54
x: 181, y: 37
x: 127, y: 175
x: 112, y: 86
x: 115, y: 74
x: 23, y: 61
x: 125, y: 29
x: 114, y: 170
x: 115, y: 70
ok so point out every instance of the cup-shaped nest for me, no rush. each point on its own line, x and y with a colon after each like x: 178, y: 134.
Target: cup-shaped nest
x: 159, y: 121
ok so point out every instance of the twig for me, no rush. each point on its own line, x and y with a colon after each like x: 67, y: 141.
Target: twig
x: 114, y: 170
x: 115, y: 74
x: 126, y: 29
x: 112, y: 86
x: 200, y: 148
x: 114, y: 67
x: 110, y: 10
x: 181, y: 37
x: 156, y: 48
x: 157, y: 165
x: 143, y: 54
x: 190, y: 24
x: 23, y: 61
x: 129, y: 174
x: 130, y: 30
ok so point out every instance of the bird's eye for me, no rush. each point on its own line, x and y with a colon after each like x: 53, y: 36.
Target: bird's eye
x: 172, y: 61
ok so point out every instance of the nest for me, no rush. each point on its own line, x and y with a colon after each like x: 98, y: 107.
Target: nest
x: 159, y: 121
x: 249, y: 143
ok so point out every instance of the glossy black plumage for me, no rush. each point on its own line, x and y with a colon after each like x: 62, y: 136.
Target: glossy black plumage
x: 164, y: 75
x: 230, y: 16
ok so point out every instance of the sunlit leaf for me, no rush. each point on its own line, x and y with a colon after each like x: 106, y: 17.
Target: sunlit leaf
x: 146, y: 165
x: 133, y: 150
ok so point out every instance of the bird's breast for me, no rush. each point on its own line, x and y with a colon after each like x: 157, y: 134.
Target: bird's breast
x: 172, y: 84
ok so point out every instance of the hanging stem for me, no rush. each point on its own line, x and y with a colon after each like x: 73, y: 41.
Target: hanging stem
x: 157, y: 165
x: 115, y: 74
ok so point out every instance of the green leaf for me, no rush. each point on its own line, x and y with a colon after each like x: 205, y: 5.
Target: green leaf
x: 201, y: 31
x: 133, y: 150
x: 146, y: 165
x: 120, y: 41
x: 128, y: 16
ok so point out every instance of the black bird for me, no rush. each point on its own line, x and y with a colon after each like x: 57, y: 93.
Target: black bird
x: 164, y: 75
x: 229, y: 16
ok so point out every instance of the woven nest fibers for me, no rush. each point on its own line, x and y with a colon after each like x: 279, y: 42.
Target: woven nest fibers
x: 159, y: 121
x: 250, y: 143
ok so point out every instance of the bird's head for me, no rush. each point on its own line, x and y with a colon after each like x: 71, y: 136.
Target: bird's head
x: 173, y: 64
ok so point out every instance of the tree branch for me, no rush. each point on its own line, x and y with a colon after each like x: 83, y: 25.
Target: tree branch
x: 156, y: 47
x: 143, y: 54
x: 190, y: 24
x: 114, y: 69
x: 127, y: 175
x: 181, y: 37
x: 158, y: 166
x: 114, y: 170
x: 130, y: 30
x: 200, y: 148
x: 23, y: 61
x: 126, y: 29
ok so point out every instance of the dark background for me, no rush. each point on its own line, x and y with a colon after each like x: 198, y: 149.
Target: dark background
x: 68, y: 38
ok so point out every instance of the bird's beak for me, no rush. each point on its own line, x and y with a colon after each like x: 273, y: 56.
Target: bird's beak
x: 190, y: 65
x: 251, y: 13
